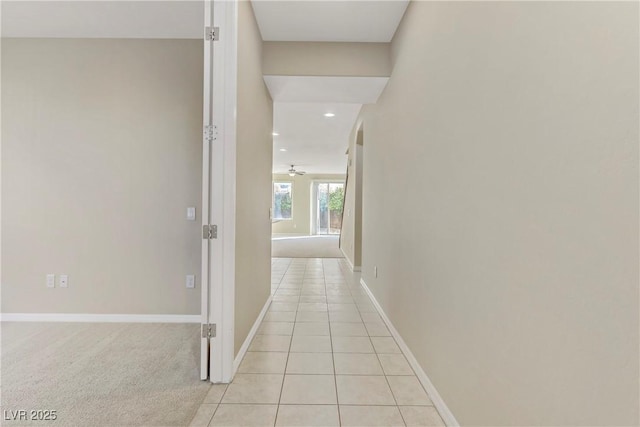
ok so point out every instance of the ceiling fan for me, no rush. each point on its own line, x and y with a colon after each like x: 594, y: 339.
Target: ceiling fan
x: 294, y: 172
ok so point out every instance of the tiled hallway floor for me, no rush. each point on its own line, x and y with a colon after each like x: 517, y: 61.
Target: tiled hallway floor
x: 322, y: 357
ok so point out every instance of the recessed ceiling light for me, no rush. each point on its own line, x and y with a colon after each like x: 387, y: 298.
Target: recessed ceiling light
x: 329, y: 115
x: 275, y: 134
x: 283, y: 149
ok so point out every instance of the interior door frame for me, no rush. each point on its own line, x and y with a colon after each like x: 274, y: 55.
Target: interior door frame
x: 218, y: 297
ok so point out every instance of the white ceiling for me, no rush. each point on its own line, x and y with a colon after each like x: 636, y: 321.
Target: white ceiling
x: 103, y: 19
x: 314, y: 143
x: 350, y: 90
x: 329, y: 21
x: 355, y: 21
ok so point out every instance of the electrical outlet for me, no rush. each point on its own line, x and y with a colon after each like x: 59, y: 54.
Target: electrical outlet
x: 191, y: 281
x: 51, y: 280
x: 63, y: 281
x: 375, y: 271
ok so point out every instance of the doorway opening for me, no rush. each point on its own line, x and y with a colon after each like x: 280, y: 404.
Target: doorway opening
x: 329, y: 204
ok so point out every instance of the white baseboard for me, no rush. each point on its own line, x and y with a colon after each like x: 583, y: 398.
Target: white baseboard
x: 252, y: 333
x: 351, y: 266
x: 438, y: 402
x: 282, y: 236
x: 100, y: 318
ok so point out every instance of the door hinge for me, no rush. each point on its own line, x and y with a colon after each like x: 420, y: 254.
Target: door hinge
x: 212, y: 33
x: 209, y: 330
x: 210, y: 132
x: 209, y: 231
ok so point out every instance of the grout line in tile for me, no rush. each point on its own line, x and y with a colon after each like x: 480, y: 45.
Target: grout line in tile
x: 219, y: 403
x: 333, y: 360
x: 284, y: 375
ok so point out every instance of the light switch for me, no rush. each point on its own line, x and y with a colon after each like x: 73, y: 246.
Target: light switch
x: 191, y: 281
x: 63, y: 281
x: 51, y: 280
x: 191, y: 214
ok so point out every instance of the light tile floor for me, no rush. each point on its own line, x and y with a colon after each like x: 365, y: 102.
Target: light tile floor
x: 322, y: 357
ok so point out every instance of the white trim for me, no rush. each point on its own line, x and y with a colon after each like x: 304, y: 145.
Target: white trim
x: 353, y: 268
x: 313, y: 210
x: 438, y: 402
x: 286, y: 236
x: 100, y: 318
x: 252, y: 334
x: 230, y: 27
x: 330, y: 180
x: 223, y: 192
x: 207, y: 120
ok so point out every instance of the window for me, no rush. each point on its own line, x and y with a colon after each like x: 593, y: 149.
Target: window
x: 282, y: 200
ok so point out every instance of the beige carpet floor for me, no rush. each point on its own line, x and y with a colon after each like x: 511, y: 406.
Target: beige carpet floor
x: 102, y: 374
x: 306, y: 247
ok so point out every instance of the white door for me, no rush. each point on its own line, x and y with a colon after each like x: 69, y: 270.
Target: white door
x: 218, y: 195
x: 207, y: 123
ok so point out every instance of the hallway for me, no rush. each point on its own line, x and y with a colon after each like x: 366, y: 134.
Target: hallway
x: 322, y: 357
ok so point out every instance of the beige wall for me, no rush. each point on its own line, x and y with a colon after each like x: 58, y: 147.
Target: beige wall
x: 351, y: 238
x: 301, y: 202
x: 327, y: 59
x: 357, y: 212
x: 101, y: 156
x: 347, y: 237
x: 253, y: 175
x: 501, y: 207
